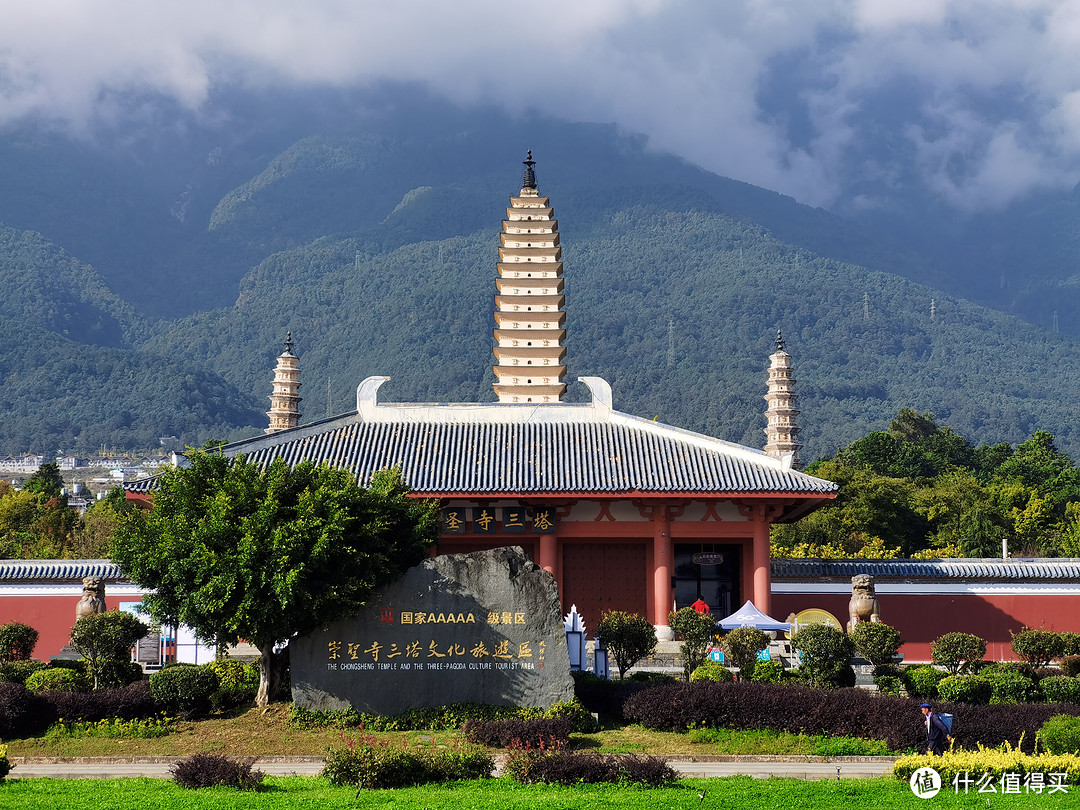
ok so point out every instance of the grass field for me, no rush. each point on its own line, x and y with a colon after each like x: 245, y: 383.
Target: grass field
x: 254, y: 733
x: 735, y: 793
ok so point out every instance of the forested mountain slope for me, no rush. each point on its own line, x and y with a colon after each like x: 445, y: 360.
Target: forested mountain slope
x: 678, y: 309
x: 169, y: 267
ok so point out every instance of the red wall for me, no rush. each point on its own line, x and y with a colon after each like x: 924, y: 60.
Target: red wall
x: 921, y: 618
x: 52, y: 616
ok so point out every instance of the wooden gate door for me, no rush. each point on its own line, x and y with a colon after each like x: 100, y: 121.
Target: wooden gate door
x: 598, y: 577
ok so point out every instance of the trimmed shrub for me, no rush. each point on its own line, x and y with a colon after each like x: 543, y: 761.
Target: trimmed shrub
x: 570, y: 768
x: 1060, y: 689
x: 742, y: 646
x: 957, y: 651
x: 768, y: 672
x: 19, y: 671
x: 237, y: 684
x: 1011, y: 685
x: 581, y: 719
x: 131, y: 702
x: 848, y: 712
x: 17, y: 641
x: 1037, y: 647
x: 1061, y: 734
x: 5, y: 763
x: 105, y: 641
x: 184, y: 689
x: 697, y: 631
x: 1070, y: 643
x: 645, y: 676
x: 372, y: 764
x: 214, y: 770
x: 58, y: 680
x: 825, y: 655
x: 889, y: 684
x: 23, y: 713
x: 504, y: 733
x: 606, y: 698
x: 922, y: 682
x: 878, y: 643
x: 1070, y: 665
x: 965, y: 689
x: 629, y: 637
x: 992, y: 765
x: 712, y: 671
x: 117, y: 673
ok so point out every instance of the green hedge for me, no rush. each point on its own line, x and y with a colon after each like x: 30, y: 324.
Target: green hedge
x: 184, y: 689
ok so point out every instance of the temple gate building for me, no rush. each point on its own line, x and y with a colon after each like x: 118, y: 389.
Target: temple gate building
x: 626, y: 513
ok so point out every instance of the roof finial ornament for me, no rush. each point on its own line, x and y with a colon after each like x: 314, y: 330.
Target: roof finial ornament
x: 529, y: 179
x: 779, y: 340
x: 288, y: 342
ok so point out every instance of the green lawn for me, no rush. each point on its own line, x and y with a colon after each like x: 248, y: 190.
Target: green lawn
x: 735, y: 793
x: 256, y: 733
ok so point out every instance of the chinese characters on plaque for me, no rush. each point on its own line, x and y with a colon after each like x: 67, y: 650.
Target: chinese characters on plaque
x: 492, y: 520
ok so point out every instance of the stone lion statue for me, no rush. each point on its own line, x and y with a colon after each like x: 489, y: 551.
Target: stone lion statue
x: 864, y: 606
x: 93, y: 598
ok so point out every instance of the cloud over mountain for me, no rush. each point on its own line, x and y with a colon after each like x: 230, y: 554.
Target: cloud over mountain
x: 836, y: 102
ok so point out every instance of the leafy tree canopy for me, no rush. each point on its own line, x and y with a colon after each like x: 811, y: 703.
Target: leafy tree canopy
x: 234, y: 551
x: 922, y: 490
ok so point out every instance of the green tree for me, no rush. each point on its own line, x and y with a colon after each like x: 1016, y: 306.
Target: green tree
x: 46, y: 482
x: 824, y: 651
x: 876, y: 642
x: 17, y: 642
x: 1037, y: 647
x: 957, y: 651
x: 697, y: 631
x: 629, y: 637
x: 93, y: 533
x: 105, y: 640
x: 742, y: 646
x: 234, y: 551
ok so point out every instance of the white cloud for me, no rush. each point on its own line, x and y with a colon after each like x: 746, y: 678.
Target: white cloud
x: 787, y: 94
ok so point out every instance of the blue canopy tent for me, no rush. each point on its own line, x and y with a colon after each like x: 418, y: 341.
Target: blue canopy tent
x: 750, y: 616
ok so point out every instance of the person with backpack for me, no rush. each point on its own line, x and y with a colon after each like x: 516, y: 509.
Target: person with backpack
x: 937, y: 733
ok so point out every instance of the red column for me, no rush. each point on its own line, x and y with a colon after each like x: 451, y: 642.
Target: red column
x: 663, y: 566
x: 547, y: 561
x: 762, y: 595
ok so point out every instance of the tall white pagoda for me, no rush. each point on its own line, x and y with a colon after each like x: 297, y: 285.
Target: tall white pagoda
x: 529, y: 317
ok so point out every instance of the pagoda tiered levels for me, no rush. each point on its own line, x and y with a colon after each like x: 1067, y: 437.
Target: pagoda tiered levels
x: 284, y: 410
x: 781, y: 415
x: 529, y: 317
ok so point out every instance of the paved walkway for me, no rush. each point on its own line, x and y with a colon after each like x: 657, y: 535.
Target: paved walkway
x: 700, y: 767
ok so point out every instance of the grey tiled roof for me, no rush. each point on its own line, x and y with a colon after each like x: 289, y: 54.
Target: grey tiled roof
x: 524, y: 449
x: 576, y: 457
x: 62, y: 570
x: 949, y: 569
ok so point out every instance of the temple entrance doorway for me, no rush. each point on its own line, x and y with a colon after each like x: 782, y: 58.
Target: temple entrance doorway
x: 710, y: 571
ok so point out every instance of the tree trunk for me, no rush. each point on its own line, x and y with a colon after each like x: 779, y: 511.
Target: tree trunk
x: 271, y: 671
x: 266, y: 668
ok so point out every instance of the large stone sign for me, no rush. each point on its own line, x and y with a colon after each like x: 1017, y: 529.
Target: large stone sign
x: 482, y: 627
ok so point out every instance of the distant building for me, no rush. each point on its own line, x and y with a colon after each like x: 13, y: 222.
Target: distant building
x: 21, y: 464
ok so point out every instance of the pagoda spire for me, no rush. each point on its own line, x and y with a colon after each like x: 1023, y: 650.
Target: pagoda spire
x: 781, y: 415
x: 530, y: 337
x: 284, y: 410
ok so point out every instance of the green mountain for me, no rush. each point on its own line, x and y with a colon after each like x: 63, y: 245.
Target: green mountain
x: 372, y: 236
